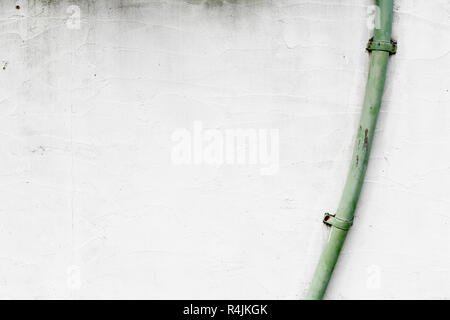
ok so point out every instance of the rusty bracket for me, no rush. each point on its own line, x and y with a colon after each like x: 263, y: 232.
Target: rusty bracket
x: 390, y: 47
x: 332, y: 220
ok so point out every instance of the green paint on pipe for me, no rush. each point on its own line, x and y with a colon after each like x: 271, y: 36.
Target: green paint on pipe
x: 361, y: 152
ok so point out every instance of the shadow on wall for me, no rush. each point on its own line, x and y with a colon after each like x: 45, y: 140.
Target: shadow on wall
x: 143, y: 3
x: 207, y: 3
x: 220, y: 3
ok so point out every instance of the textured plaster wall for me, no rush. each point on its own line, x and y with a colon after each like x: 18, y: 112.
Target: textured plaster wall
x: 91, y: 205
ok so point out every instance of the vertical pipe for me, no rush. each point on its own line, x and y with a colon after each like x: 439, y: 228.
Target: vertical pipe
x: 361, y: 151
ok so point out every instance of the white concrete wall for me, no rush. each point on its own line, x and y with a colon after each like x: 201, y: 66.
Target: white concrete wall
x: 92, y: 206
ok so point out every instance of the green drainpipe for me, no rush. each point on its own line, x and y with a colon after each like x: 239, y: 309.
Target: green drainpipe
x: 380, y: 47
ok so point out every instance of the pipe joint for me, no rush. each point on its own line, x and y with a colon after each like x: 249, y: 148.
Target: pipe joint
x: 332, y: 220
x: 377, y: 45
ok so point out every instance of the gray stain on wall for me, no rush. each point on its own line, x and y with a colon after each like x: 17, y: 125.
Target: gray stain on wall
x: 220, y: 3
x: 92, y: 6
